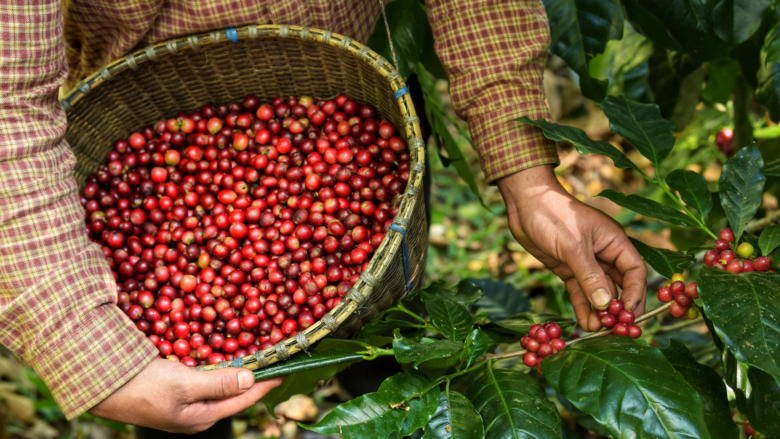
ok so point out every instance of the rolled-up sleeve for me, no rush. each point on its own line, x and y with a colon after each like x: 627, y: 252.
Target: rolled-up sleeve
x: 57, y: 292
x: 494, y: 53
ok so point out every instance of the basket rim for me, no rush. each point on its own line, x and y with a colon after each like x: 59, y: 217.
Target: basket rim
x: 389, y: 247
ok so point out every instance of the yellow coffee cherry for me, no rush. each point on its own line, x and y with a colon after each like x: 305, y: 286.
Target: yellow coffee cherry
x: 678, y: 276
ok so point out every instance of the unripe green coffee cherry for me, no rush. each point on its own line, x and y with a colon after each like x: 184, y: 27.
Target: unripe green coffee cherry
x: 745, y: 250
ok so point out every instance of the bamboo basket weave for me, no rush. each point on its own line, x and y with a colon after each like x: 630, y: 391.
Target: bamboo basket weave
x: 184, y: 74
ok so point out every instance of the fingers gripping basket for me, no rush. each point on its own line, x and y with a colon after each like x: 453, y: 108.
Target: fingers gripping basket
x: 184, y: 74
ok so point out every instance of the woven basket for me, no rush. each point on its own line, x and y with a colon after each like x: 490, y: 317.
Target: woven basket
x: 184, y: 74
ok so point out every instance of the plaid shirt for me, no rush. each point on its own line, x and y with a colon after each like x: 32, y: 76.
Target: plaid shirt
x: 57, y: 293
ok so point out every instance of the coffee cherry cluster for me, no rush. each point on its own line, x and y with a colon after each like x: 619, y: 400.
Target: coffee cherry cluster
x: 620, y: 320
x: 541, y: 341
x: 232, y: 228
x: 735, y: 260
x: 682, y: 294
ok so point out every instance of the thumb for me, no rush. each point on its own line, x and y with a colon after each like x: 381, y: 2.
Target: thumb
x: 220, y: 384
x: 591, y: 279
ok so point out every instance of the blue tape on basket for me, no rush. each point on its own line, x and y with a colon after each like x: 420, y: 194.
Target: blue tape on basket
x: 238, y: 362
x: 400, y: 92
x: 405, y: 252
x: 232, y: 34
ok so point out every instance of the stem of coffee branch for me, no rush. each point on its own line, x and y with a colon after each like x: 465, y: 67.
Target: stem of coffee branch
x: 639, y: 319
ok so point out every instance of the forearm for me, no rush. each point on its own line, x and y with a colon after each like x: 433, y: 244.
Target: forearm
x: 494, y: 53
x: 56, y: 290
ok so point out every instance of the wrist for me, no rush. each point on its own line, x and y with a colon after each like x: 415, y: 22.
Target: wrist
x: 529, y: 184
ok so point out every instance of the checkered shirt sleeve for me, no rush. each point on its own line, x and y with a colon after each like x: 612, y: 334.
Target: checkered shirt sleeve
x: 57, y: 293
x: 494, y: 53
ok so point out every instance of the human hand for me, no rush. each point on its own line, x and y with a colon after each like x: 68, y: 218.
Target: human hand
x: 587, y: 249
x: 170, y: 396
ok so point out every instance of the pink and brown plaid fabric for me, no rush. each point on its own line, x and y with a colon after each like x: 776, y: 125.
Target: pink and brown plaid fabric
x: 57, y: 293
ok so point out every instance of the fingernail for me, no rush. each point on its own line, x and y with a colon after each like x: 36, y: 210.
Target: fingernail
x: 245, y: 379
x: 600, y: 298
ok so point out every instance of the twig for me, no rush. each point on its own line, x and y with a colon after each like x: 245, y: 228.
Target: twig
x: 761, y: 224
x: 640, y: 319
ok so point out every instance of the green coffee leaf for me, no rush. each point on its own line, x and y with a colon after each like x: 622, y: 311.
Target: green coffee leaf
x: 421, y: 409
x: 436, y: 114
x: 642, y: 126
x: 301, y: 363
x: 455, y: 418
x: 583, y: 143
x: 449, y: 317
x: 687, y: 23
x: 409, y: 351
x: 465, y: 293
x: 407, y: 20
x: 665, y: 262
x: 745, y: 311
x: 648, y: 208
x: 579, y: 31
x: 477, y: 344
x: 772, y: 169
x: 692, y: 188
x: 521, y: 323
x: 756, y: 393
x: 630, y: 389
x: 373, y: 414
x: 721, y: 80
x: 734, y: 21
x: 769, y: 239
x: 709, y: 385
x: 741, y: 187
x: 501, y: 299
x: 772, y: 44
x: 513, y: 405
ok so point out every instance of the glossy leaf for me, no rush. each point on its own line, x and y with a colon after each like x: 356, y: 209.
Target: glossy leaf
x: 772, y: 169
x: 687, y: 22
x: 449, y: 317
x: 421, y: 409
x: 642, y: 126
x: 769, y: 239
x: 373, y: 414
x: 709, y: 385
x: 436, y: 114
x: 582, y: 142
x: 409, y: 351
x: 513, y: 405
x: 521, y: 323
x: 384, y: 326
x: 741, y: 187
x: 407, y: 20
x: 756, y: 393
x: 580, y: 30
x: 307, y: 361
x: 745, y: 311
x: 477, y: 344
x: 721, y: 80
x: 501, y: 299
x: 734, y: 21
x: 692, y: 188
x: 649, y: 26
x: 464, y: 293
x: 630, y: 389
x: 648, y: 208
x: 455, y: 418
x: 768, y: 78
x: 665, y: 262
x: 772, y: 44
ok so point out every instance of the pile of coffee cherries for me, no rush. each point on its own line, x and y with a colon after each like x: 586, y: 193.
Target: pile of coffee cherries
x: 682, y: 295
x: 620, y: 320
x: 738, y: 260
x: 232, y: 228
x: 541, y: 342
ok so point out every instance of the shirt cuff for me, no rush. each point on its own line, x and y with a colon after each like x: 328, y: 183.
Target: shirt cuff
x: 93, y: 352
x: 506, y: 147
